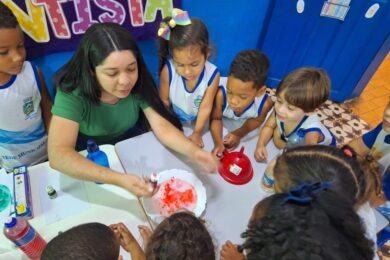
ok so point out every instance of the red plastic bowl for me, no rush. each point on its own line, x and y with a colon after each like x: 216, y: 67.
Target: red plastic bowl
x: 235, y: 167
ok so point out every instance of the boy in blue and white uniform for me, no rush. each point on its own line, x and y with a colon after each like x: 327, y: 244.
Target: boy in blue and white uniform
x: 241, y: 104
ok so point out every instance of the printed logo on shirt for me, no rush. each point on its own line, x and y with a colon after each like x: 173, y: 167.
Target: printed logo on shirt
x: 28, y: 107
x: 197, y: 102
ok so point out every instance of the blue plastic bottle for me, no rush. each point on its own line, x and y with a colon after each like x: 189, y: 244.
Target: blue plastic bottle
x: 96, y: 155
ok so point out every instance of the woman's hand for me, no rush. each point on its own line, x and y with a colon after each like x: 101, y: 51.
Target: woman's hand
x: 208, y: 161
x: 135, y: 185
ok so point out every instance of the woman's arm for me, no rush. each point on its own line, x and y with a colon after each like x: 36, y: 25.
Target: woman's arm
x: 171, y: 137
x: 359, y: 146
x: 46, y: 102
x: 64, y: 158
x: 164, y: 86
x: 204, y: 111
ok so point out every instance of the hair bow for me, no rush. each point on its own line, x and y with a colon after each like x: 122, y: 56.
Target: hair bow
x: 179, y: 17
x: 303, y: 194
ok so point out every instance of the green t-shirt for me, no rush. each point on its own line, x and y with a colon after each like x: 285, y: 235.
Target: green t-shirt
x: 103, y: 122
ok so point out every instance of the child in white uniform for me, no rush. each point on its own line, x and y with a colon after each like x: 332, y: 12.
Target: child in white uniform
x: 188, y: 82
x: 241, y: 104
x: 24, y: 101
x: 294, y: 122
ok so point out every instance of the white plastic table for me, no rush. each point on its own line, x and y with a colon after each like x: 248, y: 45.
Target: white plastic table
x: 102, y: 203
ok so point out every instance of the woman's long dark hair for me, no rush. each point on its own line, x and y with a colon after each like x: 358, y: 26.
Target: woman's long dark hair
x: 98, y: 42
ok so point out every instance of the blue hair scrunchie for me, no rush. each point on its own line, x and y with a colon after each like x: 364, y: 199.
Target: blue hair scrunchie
x: 303, y: 193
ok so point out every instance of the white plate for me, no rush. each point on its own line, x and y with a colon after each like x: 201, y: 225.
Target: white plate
x: 185, y: 176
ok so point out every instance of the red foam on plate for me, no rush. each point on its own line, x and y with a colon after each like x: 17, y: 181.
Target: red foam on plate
x: 174, y: 194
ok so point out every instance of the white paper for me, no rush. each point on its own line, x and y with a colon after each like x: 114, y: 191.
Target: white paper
x: 71, y: 197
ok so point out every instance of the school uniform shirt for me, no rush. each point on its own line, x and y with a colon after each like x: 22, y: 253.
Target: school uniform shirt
x: 186, y: 103
x: 23, y: 139
x: 308, y: 124
x: 236, y: 121
x: 378, y: 141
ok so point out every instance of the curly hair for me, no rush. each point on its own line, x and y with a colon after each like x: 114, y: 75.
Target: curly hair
x: 181, y: 236
x: 323, y: 163
x: 7, y: 17
x: 90, y: 241
x: 327, y: 228
x: 194, y: 34
x: 250, y: 66
x: 306, y: 88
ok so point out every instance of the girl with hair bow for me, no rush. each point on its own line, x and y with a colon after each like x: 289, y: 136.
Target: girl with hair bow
x: 188, y: 82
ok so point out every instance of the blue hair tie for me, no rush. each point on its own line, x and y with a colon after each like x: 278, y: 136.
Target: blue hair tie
x: 303, y: 193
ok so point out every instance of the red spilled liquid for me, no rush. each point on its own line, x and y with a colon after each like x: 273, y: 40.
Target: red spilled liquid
x: 174, y: 194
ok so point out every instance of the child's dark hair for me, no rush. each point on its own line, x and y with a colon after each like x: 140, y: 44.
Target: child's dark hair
x: 7, y: 18
x: 250, y: 66
x: 98, y: 42
x: 326, y: 228
x: 323, y: 163
x: 181, y: 236
x: 91, y: 241
x: 182, y: 36
x: 306, y: 88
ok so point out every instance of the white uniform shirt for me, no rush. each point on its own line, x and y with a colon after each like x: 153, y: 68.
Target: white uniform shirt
x: 23, y: 139
x: 186, y: 103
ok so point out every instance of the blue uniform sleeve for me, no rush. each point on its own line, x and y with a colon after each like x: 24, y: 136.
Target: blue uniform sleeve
x: 369, y: 138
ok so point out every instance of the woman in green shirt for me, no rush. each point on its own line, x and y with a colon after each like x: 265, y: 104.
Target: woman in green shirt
x: 100, y: 94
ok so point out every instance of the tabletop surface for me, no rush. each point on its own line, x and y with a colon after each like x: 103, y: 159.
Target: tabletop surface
x: 77, y: 202
x: 229, y: 206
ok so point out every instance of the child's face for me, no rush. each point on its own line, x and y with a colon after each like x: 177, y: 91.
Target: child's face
x: 189, y: 62
x: 12, y: 51
x: 117, y: 75
x: 286, y: 112
x: 241, y: 94
x: 386, y: 119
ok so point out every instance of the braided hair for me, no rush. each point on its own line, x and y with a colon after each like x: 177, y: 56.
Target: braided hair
x: 326, y: 228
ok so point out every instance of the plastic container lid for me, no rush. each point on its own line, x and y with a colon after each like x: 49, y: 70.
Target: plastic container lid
x: 11, y: 222
x: 236, y: 168
x: 92, y: 146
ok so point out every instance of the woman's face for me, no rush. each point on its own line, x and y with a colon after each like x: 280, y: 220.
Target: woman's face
x: 117, y: 75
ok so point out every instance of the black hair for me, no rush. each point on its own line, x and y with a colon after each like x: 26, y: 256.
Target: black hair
x: 250, y: 66
x: 7, y: 18
x: 90, y: 241
x: 323, y: 163
x: 98, y: 42
x: 182, y: 36
x: 181, y: 236
x: 326, y: 228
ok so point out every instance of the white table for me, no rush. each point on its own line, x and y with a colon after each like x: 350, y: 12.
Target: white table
x: 229, y: 206
x: 107, y: 204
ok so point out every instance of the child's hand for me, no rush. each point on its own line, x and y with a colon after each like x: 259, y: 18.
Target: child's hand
x: 229, y: 252
x: 146, y: 233
x: 218, y: 150
x: 231, y: 141
x: 124, y: 237
x: 196, y: 138
x: 261, y: 154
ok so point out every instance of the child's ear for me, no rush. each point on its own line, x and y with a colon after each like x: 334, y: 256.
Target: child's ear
x: 261, y: 90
